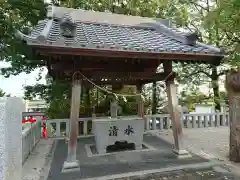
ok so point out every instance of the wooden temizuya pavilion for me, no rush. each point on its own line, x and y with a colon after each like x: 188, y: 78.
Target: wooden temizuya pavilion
x: 114, y: 49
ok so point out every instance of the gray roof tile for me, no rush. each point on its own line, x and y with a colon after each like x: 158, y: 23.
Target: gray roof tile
x: 117, y: 37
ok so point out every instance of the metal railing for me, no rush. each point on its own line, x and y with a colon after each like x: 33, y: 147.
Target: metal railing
x: 60, y: 127
x: 31, y: 134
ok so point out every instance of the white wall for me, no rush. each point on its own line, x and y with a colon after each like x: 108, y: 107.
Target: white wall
x: 11, y: 138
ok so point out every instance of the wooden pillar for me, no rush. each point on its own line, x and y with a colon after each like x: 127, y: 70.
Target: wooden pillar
x: 233, y: 90
x: 154, y: 98
x: 71, y: 161
x: 140, y: 103
x: 174, y: 112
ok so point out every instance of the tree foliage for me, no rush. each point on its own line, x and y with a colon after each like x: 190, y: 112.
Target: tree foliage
x: 191, y: 98
x: 56, y: 94
x: 227, y: 17
x: 217, y: 23
x: 3, y: 94
x: 204, y: 19
x: 18, y: 15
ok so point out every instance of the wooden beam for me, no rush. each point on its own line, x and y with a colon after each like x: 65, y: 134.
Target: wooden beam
x: 72, y: 61
x: 109, y: 82
x: 110, y: 64
x: 207, y: 58
x: 122, y: 81
x: 110, y: 67
x: 119, y: 77
x: 99, y: 75
x: 112, y: 82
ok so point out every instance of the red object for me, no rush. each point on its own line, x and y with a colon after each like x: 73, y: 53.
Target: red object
x: 44, y: 118
x: 44, y: 127
x: 30, y: 120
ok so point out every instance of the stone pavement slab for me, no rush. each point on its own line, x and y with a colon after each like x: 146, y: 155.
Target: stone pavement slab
x: 122, y: 162
x: 202, y: 171
x: 141, y: 165
x: 187, y: 174
x: 34, y: 166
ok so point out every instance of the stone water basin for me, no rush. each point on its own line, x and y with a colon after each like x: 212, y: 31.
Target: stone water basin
x: 108, y: 131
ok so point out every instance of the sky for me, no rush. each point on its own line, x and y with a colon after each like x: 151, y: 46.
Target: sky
x: 14, y: 84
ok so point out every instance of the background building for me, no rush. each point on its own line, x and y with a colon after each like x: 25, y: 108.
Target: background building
x: 36, y: 106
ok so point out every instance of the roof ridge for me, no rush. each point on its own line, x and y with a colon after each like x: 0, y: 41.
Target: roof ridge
x: 53, y: 10
x: 98, y: 16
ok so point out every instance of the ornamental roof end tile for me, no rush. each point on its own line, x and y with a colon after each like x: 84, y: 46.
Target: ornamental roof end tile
x: 78, y: 28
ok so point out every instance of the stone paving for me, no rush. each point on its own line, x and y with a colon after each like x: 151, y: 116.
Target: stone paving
x: 199, y: 172
x: 211, y: 141
x: 33, y: 168
x: 187, y: 174
x: 118, y: 163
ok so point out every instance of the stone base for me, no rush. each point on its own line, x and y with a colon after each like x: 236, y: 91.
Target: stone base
x: 133, y: 126
x: 71, y: 166
x: 181, y: 153
x: 102, y: 151
x: 138, y: 147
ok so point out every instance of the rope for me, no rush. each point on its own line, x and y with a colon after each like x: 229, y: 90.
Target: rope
x: 110, y: 92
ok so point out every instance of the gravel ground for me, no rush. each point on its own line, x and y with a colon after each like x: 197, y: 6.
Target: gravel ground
x: 213, y: 141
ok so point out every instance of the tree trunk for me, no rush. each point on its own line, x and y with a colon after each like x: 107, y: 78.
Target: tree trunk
x: 215, y: 87
x: 234, y: 110
x: 154, y: 98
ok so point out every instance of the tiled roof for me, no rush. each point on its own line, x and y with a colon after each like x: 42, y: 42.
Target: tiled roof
x: 144, y: 37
